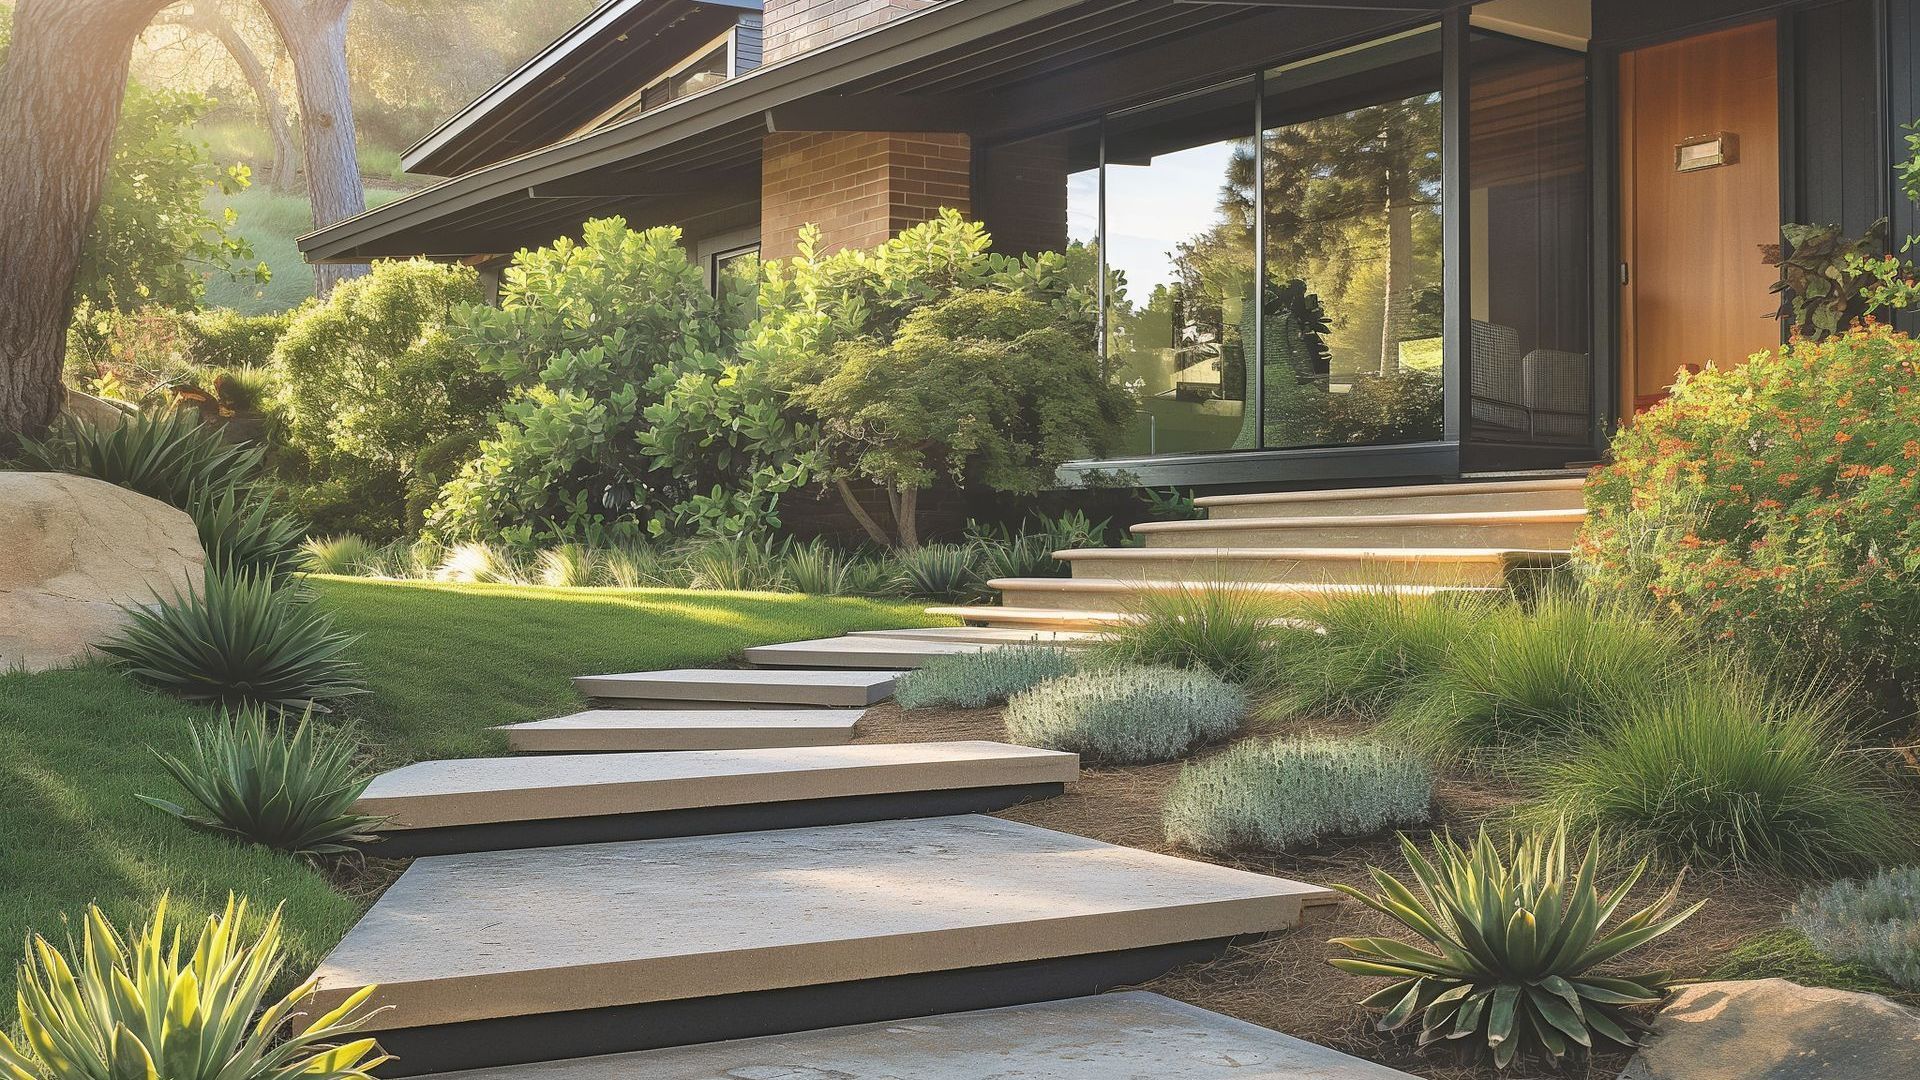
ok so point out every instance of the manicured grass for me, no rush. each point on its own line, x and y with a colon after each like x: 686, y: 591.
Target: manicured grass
x: 445, y: 663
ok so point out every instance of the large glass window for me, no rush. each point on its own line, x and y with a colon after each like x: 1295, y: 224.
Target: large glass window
x: 1530, y: 372
x: 1179, y: 250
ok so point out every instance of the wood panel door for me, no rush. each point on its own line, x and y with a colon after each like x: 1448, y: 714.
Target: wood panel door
x: 1695, y: 288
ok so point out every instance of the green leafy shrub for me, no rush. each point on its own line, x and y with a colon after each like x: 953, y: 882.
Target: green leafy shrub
x: 977, y: 679
x: 940, y: 571
x: 1724, y: 771
x: 138, y: 354
x: 1218, y: 627
x: 1773, y: 503
x: 375, y: 379
x: 1286, y: 794
x: 343, y: 554
x: 170, y: 456
x: 243, y: 533
x: 108, y: 1009
x: 294, y: 792
x: 1559, y: 669
x: 1510, y: 945
x: 1405, y: 406
x: 1371, y: 648
x: 237, y: 640
x: 1127, y: 716
x: 1873, y: 923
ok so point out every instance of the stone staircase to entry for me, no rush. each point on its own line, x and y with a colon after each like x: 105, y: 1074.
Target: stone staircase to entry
x: 1421, y: 539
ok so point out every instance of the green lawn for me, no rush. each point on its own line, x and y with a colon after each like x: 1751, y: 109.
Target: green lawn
x: 445, y: 663
x: 271, y: 222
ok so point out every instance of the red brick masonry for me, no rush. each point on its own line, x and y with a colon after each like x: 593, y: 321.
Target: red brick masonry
x: 860, y: 187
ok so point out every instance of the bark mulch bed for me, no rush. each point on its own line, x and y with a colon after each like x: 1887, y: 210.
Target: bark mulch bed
x: 1284, y: 982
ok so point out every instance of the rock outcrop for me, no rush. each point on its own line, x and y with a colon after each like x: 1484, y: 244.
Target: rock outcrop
x: 1772, y: 1029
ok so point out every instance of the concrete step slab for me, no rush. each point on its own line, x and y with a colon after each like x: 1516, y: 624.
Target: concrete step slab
x: 1469, y: 567
x: 490, y: 804
x: 601, y: 731
x: 724, y: 688
x: 1558, y: 493
x: 1133, y: 1035
x: 499, y: 958
x: 1112, y: 598
x: 858, y: 653
x: 1023, y: 616
x: 996, y: 635
x: 1515, y: 529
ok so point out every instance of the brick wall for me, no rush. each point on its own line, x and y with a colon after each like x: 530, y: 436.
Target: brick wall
x: 1021, y: 194
x: 859, y: 187
x: 794, y: 26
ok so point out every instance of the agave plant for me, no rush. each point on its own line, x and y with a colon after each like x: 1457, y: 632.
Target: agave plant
x: 939, y: 571
x: 1511, y: 945
x: 242, y: 534
x: 237, y: 639
x: 120, y: 1011
x: 293, y: 792
x: 173, y: 457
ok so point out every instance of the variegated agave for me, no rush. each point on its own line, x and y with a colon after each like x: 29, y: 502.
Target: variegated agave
x: 1510, y: 944
x: 120, y: 1012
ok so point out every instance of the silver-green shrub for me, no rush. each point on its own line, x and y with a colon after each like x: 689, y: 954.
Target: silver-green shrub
x: 1874, y: 923
x: 1283, y: 794
x: 1129, y: 715
x: 978, y: 679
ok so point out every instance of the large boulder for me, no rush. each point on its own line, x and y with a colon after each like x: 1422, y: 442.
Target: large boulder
x: 1772, y: 1029
x: 72, y: 550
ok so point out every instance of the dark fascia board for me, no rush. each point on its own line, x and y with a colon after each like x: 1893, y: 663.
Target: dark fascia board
x: 914, y: 36
x: 533, y: 71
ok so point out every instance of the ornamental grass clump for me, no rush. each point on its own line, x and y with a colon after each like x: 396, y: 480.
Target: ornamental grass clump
x: 1564, y: 668
x: 343, y: 554
x: 1127, y: 716
x: 1371, y: 647
x: 1507, y: 949
x: 1724, y: 770
x: 570, y: 566
x: 110, y: 1009
x: 1286, y: 794
x: 238, y: 640
x: 1874, y: 923
x: 977, y: 679
x: 940, y: 571
x: 292, y: 791
x: 1214, y: 627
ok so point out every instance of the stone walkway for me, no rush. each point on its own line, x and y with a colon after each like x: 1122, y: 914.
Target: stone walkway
x: 703, y: 880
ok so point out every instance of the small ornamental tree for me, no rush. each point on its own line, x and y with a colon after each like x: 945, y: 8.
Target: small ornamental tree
x: 1777, y: 504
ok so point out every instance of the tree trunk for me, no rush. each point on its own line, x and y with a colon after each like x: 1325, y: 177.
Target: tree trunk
x: 206, y: 17
x: 60, y: 94
x: 872, y: 527
x: 1393, y: 310
x: 315, y: 32
x: 906, y: 515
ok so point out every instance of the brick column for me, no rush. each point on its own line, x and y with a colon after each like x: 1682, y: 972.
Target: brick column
x: 859, y: 187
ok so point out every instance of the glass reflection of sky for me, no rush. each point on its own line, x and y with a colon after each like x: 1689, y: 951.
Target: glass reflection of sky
x: 1151, y: 209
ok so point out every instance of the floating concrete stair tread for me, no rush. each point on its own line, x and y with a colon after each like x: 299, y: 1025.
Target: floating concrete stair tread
x: 618, y: 730
x: 1504, y: 487
x: 1279, y: 588
x: 859, y: 653
x: 1014, y: 615
x: 991, y: 634
x: 1383, y: 521
x: 1126, y: 1036
x: 478, y: 791
x: 1307, y: 554
x: 834, y: 689
x: 537, y: 931
x: 1479, y: 566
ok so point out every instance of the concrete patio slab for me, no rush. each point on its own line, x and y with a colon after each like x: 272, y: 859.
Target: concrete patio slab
x: 858, y: 653
x: 566, y: 934
x: 482, y: 804
x: 995, y: 635
x: 628, y: 730
x: 1126, y: 1036
x: 729, y: 688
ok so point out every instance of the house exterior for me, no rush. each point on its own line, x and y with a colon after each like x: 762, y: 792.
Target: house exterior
x: 1344, y: 241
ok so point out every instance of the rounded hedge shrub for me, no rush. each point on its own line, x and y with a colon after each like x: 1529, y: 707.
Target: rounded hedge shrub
x: 977, y: 679
x: 1873, y: 923
x: 1284, y: 794
x: 1775, y: 503
x: 1127, y: 716
x: 1724, y: 771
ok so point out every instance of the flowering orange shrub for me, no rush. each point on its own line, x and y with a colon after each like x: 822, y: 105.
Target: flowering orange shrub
x: 1776, y: 504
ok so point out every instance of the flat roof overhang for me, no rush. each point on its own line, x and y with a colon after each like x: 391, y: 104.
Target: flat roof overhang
x: 991, y: 68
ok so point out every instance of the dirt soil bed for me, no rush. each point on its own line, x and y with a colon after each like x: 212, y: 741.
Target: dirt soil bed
x: 1284, y: 982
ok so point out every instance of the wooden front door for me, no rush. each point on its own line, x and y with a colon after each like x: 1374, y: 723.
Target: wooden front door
x: 1695, y: 288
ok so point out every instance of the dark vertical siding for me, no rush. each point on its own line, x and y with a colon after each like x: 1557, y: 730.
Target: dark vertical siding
x: 1902, y: 61
x: 1839, y: 148
x: 747, y: 35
